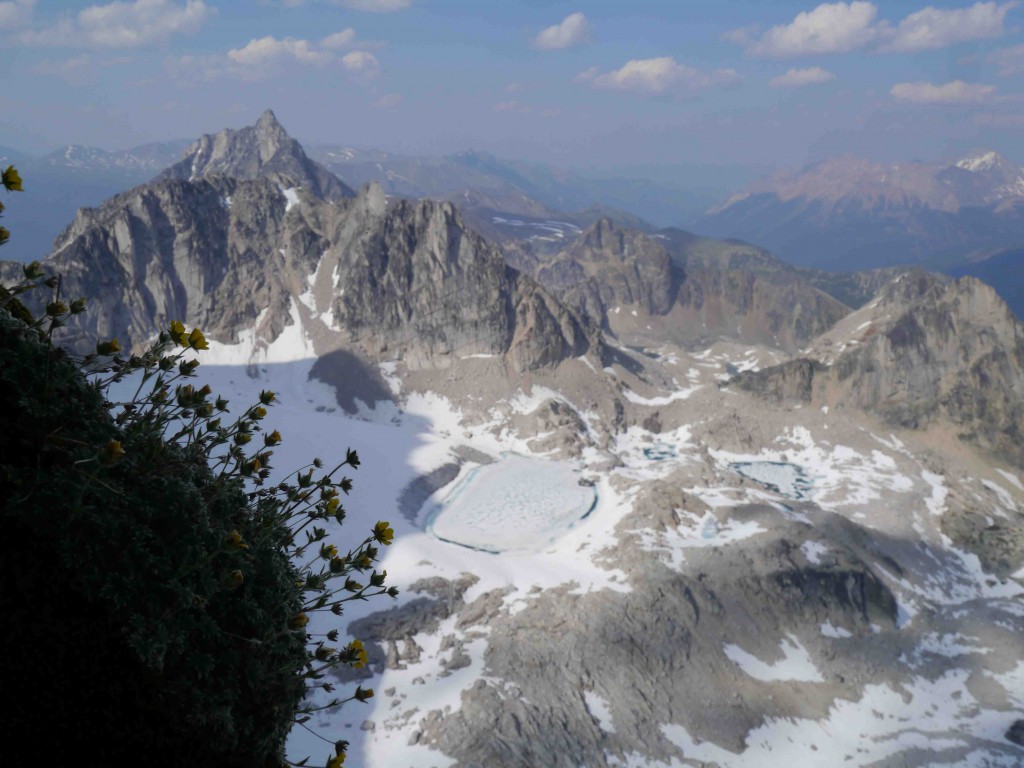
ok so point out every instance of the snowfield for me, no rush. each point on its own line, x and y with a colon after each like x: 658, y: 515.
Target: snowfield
x: 524, y: 524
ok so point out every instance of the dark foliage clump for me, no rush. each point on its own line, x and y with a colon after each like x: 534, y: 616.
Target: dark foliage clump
x: 154, y: 600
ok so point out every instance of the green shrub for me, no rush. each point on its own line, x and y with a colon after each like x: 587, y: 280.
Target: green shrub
x: 152, y: 583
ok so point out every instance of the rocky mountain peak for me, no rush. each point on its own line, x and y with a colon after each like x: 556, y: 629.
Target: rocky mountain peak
x: 255, y: 151
x: 601, y: 234
x: 269, y: 129
x: 982, y: 160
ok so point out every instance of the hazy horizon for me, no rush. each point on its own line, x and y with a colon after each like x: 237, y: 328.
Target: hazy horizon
x: 657, y: 90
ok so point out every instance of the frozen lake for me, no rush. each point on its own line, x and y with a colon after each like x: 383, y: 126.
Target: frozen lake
x: 789, y: 480
x: 514, y: 504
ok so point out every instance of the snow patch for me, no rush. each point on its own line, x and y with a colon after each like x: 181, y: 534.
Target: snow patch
x: 796, y: 666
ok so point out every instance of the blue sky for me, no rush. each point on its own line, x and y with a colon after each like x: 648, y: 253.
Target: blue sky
x: 650, y: 87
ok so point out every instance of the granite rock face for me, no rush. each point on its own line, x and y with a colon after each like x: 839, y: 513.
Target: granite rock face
x: 393, y: 279
x: 930, y: 351
x: 704, y: 289
x: 263, y: 149
x: 579, y: 679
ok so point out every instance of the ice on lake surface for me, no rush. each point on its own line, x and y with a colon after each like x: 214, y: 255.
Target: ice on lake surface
x: 516, y: 503
x: 660, y: 452
x: 789, y: 480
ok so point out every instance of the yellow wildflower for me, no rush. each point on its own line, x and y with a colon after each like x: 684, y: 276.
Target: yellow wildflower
x: 383, y: 532
x: 234, y: 540
x: 112, y: 451
x: 177, y: 331
x: 11, y: 179
x: 197, y: 340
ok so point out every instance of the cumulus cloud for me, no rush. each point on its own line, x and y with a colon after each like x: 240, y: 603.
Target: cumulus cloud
x: 268, y: 50
x: 342, y: 39
x: 829, y: 28
x: 953, y: 92
x: 14, y: 13
x: 934, y: 28
x: 262, y: 57
x: 361, y: 63
x: 376, y: 6
x: 795, y: 78
x: 1010, y: 61
x: 123, y: 24
x: 842, y: 27
x: 373, y: 6
x: 572, y: 30
x: 656, y: 76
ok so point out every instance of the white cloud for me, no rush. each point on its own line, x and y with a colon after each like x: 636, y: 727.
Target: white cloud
x: 373, y: 6
x: 269, y: 50
x: 829, y: 28
x: 572, y: 30
x: 842, y: 27
x: 123, y: 24
x: 934, y: 28
x: 512, y: 106
x: 1010, y: 61
x: 342, y: 39
x: 16, y: 12
x: 376, y: 6
x: 387, y: 101
x: 656, y: 76
x: 263, y: 57
x: 796, y: 78
x: 953, y: 92
x: 64, y: 68
x: 362, y: 63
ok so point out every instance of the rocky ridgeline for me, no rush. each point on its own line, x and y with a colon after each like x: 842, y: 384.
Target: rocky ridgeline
x: 931, y: 351
x: 706, y: 289
x: 230, y: 238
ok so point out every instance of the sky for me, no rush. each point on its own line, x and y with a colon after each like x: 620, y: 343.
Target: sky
x: 655, y: 88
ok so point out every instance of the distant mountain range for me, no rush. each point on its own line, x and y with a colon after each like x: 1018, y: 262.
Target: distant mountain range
x: 61, y: 182
x: 964, y: 217
x: 502, y: 199
x: 847, y: 213
x: 483, y: 185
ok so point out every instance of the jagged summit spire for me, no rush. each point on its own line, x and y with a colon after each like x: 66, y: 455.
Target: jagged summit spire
x: 269, y: 125
x: 255, y: 151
